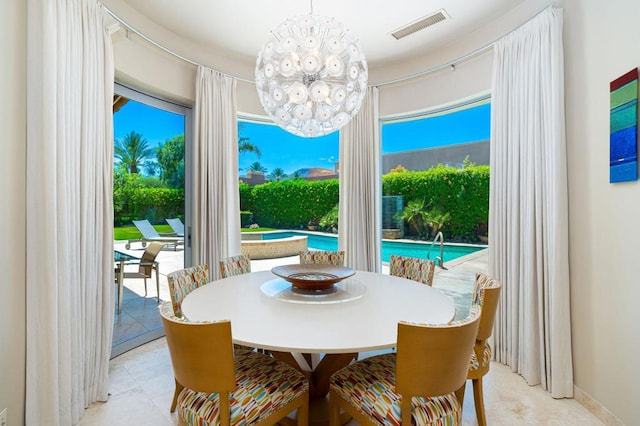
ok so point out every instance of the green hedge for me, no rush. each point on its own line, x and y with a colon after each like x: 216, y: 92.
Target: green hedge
x: 463, y: 193
x: 292, y: 203
x: 154, y: 204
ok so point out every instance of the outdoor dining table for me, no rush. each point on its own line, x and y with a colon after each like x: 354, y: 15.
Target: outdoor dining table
x: 361, y: 315
x: 121, y: 259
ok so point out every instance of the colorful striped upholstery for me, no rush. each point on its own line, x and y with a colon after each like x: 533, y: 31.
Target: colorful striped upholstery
x: 322, y: 257
x: 415, y: 269
x: 369, y: 386
x: 183, y: 282
x: 235, y: 265
x: 263, y: 385
x: 486, y: 358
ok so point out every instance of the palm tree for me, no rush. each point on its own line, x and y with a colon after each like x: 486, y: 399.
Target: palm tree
x: 132, y: 151
x: 414, y: 214
x: 277, y: 174
x: 245, y: 145
x: 257, y: 167
x: 436, y: 220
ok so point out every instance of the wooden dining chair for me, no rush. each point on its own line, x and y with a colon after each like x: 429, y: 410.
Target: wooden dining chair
x: 322, y: 257
x: 413, y: 268
x: 235, y: 265
x: 417, y: 383
x: 485, y: 294
x: 216, y: 386
x: 147, y: 266
x: 183, y: 282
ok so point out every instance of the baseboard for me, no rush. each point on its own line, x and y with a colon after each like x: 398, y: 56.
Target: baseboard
x: 595, y: 408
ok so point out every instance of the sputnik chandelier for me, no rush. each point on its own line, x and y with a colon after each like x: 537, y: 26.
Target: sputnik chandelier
x: 311, y: 75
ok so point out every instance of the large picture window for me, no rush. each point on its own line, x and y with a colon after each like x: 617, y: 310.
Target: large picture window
x: 435, y: 180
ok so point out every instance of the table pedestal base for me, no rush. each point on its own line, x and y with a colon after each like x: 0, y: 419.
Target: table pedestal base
x: 319, y: 381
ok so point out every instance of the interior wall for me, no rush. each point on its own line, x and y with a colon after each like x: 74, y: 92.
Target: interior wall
x: 601, y: 43
x: 13, y: 43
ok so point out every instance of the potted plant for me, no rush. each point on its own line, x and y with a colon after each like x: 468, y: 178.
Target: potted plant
x: 312, y: 225
x: 330, y: 220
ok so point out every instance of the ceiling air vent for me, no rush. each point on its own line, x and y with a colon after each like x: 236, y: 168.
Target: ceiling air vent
x: 420, y: 24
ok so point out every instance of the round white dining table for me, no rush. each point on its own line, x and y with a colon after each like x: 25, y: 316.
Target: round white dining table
x: 365, y: 323
x: 362, y: 316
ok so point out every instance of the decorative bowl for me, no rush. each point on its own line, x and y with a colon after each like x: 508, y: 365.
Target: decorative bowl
x: 312, y: 276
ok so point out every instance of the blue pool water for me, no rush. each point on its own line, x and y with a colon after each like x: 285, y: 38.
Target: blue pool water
x: 420, y: 250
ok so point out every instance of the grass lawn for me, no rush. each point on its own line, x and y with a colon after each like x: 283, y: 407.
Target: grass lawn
x: 132, y: 233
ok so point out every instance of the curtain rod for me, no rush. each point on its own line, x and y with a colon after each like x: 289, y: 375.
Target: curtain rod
x: 161, y: 47
x: 450, y: 64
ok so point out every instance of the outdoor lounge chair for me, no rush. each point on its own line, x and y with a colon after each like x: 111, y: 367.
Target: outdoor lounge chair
x: 177, y: 226
x: 149, y: 234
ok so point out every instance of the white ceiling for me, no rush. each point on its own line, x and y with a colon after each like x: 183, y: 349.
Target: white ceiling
x: 241, y: 27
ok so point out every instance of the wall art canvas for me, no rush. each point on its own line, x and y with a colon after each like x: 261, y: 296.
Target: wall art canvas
x: 623, y: 147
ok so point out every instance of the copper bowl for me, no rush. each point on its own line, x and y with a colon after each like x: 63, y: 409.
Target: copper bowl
x: 312, y: 276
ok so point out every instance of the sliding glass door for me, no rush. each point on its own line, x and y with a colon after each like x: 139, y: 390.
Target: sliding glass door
x: 150, y: 194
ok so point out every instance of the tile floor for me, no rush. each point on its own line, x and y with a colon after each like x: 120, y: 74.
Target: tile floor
x: 141, y: 380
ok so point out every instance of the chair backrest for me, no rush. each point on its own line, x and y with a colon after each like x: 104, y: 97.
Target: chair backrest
x: 201, y: 353
x: 322, y: 257
x: 177, y: 225
x: 183, y: 282
x: 433, y: 359
x: 486, y: 294
x: 146, y: 229
x: 415, y: 269
x: 235, y: 265
x: 149, y: 257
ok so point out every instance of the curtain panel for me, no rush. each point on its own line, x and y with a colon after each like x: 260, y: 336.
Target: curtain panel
x: 216, y: 196
x: 528, y: 207
x: 360, y: 222
x: 70, y: 220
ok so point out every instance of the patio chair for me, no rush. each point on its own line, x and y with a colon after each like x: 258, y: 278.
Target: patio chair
x: 146, y: 267
x: 177, y: 226
x: 149, y: 234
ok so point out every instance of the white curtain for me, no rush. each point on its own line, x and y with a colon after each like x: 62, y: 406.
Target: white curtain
x: 528, y: 214
x: 216, y: 197
x: 359, y: 223
x: 70, y: 215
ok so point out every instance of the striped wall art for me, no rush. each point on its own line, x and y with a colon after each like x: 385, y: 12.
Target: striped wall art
x: 623, y: 149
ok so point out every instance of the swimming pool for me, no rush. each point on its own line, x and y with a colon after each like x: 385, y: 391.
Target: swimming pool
x: 405, y: 248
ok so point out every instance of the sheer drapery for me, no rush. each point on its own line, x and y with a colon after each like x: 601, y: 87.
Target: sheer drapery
x: 359, y: 224
x: 528, y: 214
x: 216, y: 198
x: 70, y: 221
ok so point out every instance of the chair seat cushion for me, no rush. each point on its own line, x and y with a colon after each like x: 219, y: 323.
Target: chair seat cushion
x: 486, y: 358
x: 369, y: 386
x: 264, y: 386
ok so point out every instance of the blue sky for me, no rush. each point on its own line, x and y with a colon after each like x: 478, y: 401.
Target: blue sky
x: 155, y: 124
x: 289, y: 152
